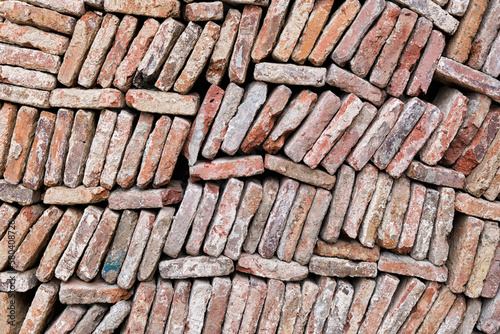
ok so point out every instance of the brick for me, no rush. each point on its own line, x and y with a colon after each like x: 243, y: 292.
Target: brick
x: 254, y: 98
x: 405, y: 265
x: 136, y: 198
x: 438, y: 311
x: 417, y: 314
x: 289, y: 74
x: 219, y: 61
x: 485, y: 36
x: 363, y: 289
x: 155, y: 243
x: 22, y: 305
x: 271, y: 27
x: 178, y: 56
x: 457, y: 7
x: 13, y: 281
x: 489, y: 321
x: 376, y: 133
x: 439, y: 248
x: 78, y: 292
x: 250, y: 202
x: 306, y: 135
x: 409, y: 57
x: 116, y: 149
x: 25, y: 96
x: 475, y: 152
x: 486, y: 247
x: 255, y: 302
x: 162, y: 103
x: 91, y: 319
x: 198, y: 58
x: 450, y: 71
x: 161, y: 45
x: 336, y: 267
x: 384, y: 290
x: 123, y: 37
x: 18, y: 229
x: 72, y: 7
x: 99, y: 4
x: 54, y: 166
x: 338, y: 23
x: 121, y: 241
x: 99, y: 148
x: 79, y: 240
x: 29, y: 59
x: 86, y: 29
x: 492, y: 281
x: 271, y: 268
x: 117, y: 313
x: 27, y: 78
x: 351, y: 250
x: 128, y: 66
x: 341, y: 198
x: 160, y: 307
x: 55, y: 248
x: 471, y: 316
x: 97, y: 52
x: 183, y: 220
x: 67, y: 320
x: 429, y: 212
x: 374, y: 40
x: 196, y: 266
x: 454, y: 317
x: 410, y: 115
x: 295, y: 222
x: 8, y: 113
x: 349, y: 138
x: 216, y: 309
x: 448, y: 99
x: 204, y: 214
x: 18, y: 194
x: 421, y: 77
x: 87, y: 98
x: 292, y: 30
x: 433, y: 12
x: 291, y: 118
x: 405, y: 297
x: 155, y: 8
x: 321, y: 308
x: 491, y: 64
x: 20, y: 145
x: 204, y: 11
x: 417, y: 138
x: 291, y: 308
x: 224, y: 168
x: 263, y: 3
x: 236, y: 305
x: 272, y: 308
x: 309, y: 293
x: 347, y: 47
x: 200, y: 294
x: 362, y: 193
x: 460, y: 45
x: 45, y: 19
x: 437, y: 175
x: 7, y: 214
x: 41, y: 308
x: 277, y: 218
x: 340, y: 307
x: 35, y: 165
x: 36, y: 239
x: 412, y: 219
x: 350, y: 108
x: 98, y: 246
x: 142, y: 232
x: 141, y: 306
x: 270, y: 190
x: 317, y: 20
x: 388, y: 59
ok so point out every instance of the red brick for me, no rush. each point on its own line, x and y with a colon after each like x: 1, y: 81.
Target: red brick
x: 116, y: 315
x: 255, y: 302
x: 7, y: 214
x: 236, y: 304
x: 489, y: 321
x: 332, y: 266
x: 455, y: 316
x: 141, y: 305
x: 405, y: 265
x: 492, y: 280
x: 412, y: 219
x: 289, y: 74
x: 27, y: 78
x: 309, y: 293
x: 363, y: 290
x: 136, y: 198
x: 155, y: 8
x: 204, y: 11
x: 351, y: 250
x: 41, y: 308
x: 67, y: 320
x: 291, y: 308
x: 223, y: 168
x: 8, y: 113
x: 156, y: 102
x: 29, y: 58
x: 272, y: 308
x: 491, y: 66
x: 160, y: 307
x: 216, y: 309
x: 437, y: 175
x: 321, y: 308
x: 477, y: 207
x: 87, y: 99
x: 271, y: 268
x: 78, y: 292
x: 438, y: 311
x: 420, y: 310
x: 439, y: 248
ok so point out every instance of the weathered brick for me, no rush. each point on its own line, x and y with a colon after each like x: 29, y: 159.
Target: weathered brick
x: 224, y: 168
x: 254, y: 98
x: 236, y: 304
x: 489, y: 321
x: 289, y: 74
x: 271, y: 27
x: 292, y: 116
x: 14, y: 281
x: 19, y: 312
x: 27, y: 78
x: 78, y: 292
x: 255, y: 302
x: 411, y: 54
x: 204, y: 11
x: 417, y: 314
x: 71, y: 7
x: 54, y: 166
x: 485, y: 36
x: 271, y: 268
x: 263, y: 3
x: 155, y: 8
x: 321, y: 308
x: 272, y: 308
x: 437, y: 175
x: 340, y: 307
x: 415, y: 141
x: 433, y: 12
x: 198, y: 58
x: 439, y: 248
x: 363, y: 289
x: 196, y: 266
x: 18, y: 194
x: 309, y: 293
x: 162, y: 103
x: 97, y: 52
x: 454, y: 317
x: 219, y: 61
x: 491, y: 66
x: 291, y: 308
x: 405, y: 265
x: 33, y: 176
x: 429, y: 212
x: 123, y: 37
x: 351, y: 250
x: 412, y: 219
x: 29, y: 58
x: 338, y: 23
x: 160, y: 307
x: 198, y: 301
x: 41, y: 308
x: 136, y: 198
x: 67, y: 320
x: 292, y: 30
x: 331, y: 266
x: 87, y: 98
x: 374, y: 40
x: 91, y: 319
x: 141, y: 305
x: 221, y: 287
x: 113, y: 319
x: 20, y: 145
x: 8, y: 113
x: 421, y: 77
x: 492, y: 280
x: 83, y: 35
x: 7, y: 214
x: 438, y: 311
x: 24, y: 96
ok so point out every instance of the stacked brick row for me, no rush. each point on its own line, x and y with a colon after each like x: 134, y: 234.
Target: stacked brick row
x: 249, y: 166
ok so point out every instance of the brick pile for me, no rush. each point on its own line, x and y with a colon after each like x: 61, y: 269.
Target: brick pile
x: 245, y: 166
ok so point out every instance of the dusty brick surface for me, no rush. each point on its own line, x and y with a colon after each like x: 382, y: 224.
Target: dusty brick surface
x: 274, y: 302
x: 224, y: 168
x: 204, y: 11
x: 196, y: 266
x: 321, y: 308
x: 492, y: 281
x: 41, y: 307
x: 331, y: 266
x: 162, y: 103
x: 437, y: 175
x: 405, y: 265
x: 78, y: 292
x: 351, y: 250
x: 155, y: 8
x: 289, y: 74
x: 412, y: 219
x: 29, y: 58
x: 271, y: 268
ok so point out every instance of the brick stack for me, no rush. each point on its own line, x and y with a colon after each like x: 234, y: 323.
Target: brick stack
x: 245, y: 166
